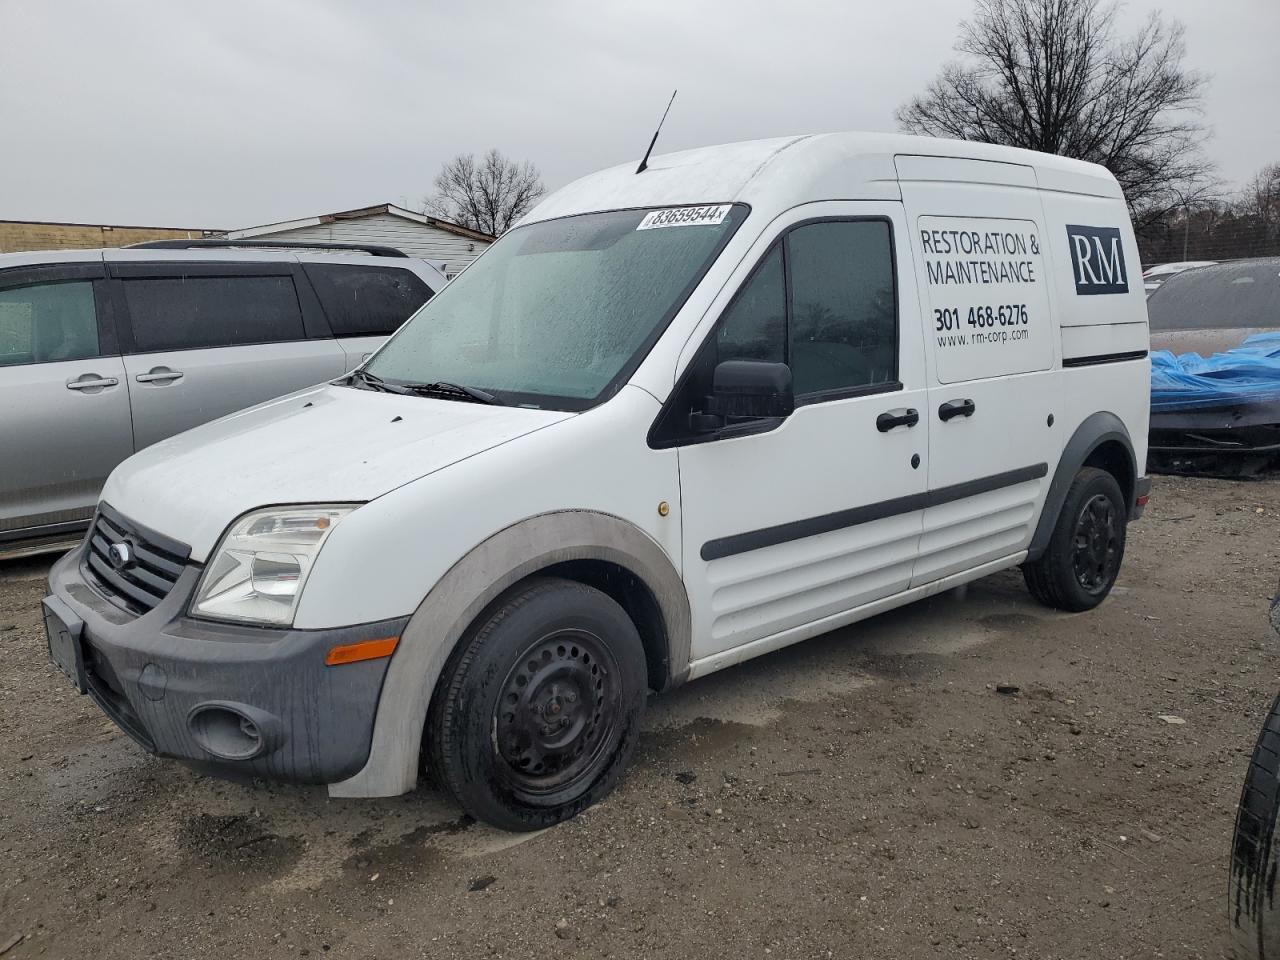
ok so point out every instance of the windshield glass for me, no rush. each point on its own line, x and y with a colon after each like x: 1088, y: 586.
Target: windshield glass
x: 558, y: 314
x: 1226, y: 296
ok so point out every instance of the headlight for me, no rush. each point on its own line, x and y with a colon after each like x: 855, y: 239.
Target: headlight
x: 259, y: 568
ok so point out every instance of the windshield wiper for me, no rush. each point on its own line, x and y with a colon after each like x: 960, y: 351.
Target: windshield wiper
x: 442, y: 388
x: 371, y: 381
x: 453, y: 391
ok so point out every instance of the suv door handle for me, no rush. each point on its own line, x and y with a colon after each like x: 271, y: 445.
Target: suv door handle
x: 956, y: 408
x: 893, y: 418
x: 92, y: 384
x: 159, y: 375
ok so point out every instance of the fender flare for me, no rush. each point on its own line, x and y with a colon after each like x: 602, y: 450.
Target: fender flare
x: 1097, y: 429
x: 471, y: 584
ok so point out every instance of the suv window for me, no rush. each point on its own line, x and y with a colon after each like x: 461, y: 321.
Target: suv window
x: 47, y: 322
x: 365, y: 301
x: 186, y: 313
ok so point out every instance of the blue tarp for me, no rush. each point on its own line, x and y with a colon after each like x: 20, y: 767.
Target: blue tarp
x: 1249, y: 372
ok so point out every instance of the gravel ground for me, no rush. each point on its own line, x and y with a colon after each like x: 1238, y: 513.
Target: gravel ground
x: 868, y: 793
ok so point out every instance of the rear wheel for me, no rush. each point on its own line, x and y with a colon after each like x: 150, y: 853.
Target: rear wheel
x: 537, y: 713
x: 1082, y: 560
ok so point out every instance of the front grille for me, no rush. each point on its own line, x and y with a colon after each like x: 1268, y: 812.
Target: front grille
x: 154, y: 561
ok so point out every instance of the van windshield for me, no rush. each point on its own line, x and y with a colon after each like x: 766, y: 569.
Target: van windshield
x: 559, y: 314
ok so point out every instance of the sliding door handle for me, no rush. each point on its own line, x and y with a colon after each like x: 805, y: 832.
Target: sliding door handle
x: 159, y: 375
x: 956, y: 408
x: 897, y: 418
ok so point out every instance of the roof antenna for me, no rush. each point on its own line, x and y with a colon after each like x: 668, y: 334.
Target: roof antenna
x: 644, y: 164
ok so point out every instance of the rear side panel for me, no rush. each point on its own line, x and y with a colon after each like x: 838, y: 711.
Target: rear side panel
x: 1101, y: 305
x: 1096, y: 274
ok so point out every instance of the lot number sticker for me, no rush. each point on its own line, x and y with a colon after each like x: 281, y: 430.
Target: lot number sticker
x: 988, y: 310
x: 685, y: 216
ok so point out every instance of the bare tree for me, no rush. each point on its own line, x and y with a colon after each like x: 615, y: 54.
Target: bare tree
x: 1261, y: 196
x: 1051, y: 75
x: 1245, y: 225
x: 488, y: 195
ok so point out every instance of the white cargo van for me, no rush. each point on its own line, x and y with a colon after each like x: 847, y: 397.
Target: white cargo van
x: 675, y: 419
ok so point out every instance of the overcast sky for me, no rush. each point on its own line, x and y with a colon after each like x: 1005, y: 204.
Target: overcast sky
x: 240, y: 112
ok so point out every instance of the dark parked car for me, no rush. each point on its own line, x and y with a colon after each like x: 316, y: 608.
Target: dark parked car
x: 1215, y: 369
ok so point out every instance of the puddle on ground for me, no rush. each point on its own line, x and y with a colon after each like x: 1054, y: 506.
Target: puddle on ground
x: 703, y: 736
x: 239, y: 843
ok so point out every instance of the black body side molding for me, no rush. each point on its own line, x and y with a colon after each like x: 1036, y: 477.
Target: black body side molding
x: 827, y: 522
x: 1098, y: 358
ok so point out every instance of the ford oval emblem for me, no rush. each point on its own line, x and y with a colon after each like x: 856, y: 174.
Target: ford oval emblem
x: 120, y: 555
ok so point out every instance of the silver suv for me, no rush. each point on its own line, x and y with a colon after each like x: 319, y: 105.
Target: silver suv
x: 104, y: 352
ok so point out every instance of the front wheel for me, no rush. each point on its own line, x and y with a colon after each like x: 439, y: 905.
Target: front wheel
x: 1082, y: 560
x: 537, y: 713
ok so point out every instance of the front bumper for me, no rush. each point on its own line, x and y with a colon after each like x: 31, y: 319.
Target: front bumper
x: 177, y: 685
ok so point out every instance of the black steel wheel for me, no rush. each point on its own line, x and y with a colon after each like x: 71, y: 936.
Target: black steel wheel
x: 1080, y: 565
x: 1099, y: 542
x: 536, y: 713
x: 558, y: 711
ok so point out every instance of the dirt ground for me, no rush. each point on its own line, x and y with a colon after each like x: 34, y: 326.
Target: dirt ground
x: 866, y: 794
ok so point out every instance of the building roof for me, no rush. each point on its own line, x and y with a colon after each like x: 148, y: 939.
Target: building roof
x: 107, y: 226
x: 775, y: 175
x: 382, y: 208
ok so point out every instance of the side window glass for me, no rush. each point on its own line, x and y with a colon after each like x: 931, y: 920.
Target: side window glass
x: 367, y: 301
x: 755, y: 325
x: 844, y: 325
x: 48, y: 322
x: 188, y: 313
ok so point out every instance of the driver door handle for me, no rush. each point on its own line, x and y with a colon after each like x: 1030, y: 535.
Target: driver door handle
x: 956, y: 408
x: 92, y: 384
x: 897, y: 418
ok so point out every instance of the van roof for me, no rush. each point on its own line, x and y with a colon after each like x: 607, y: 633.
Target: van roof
x: 775, y: 175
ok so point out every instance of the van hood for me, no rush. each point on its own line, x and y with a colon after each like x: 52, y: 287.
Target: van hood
x: 326, y: 444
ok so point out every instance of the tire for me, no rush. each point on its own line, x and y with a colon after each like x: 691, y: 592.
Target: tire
x: 1253, y: 912
x: 537, y: 712
x: 1082, y: 561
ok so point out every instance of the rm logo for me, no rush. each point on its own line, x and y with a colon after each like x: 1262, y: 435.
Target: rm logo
x: 1097, y: 257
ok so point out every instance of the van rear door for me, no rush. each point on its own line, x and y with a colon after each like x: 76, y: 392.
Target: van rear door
x: 993, y: 353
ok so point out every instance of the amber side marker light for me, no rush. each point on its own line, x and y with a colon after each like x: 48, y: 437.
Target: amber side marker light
x: 364, y: 650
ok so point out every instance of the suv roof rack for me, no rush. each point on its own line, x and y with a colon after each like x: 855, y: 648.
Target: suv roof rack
x: 372, y: 249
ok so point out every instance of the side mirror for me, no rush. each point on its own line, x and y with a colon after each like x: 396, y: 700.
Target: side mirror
x: 747, y: 390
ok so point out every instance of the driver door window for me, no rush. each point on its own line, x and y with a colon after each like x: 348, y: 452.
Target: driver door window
x: 823, y: 300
